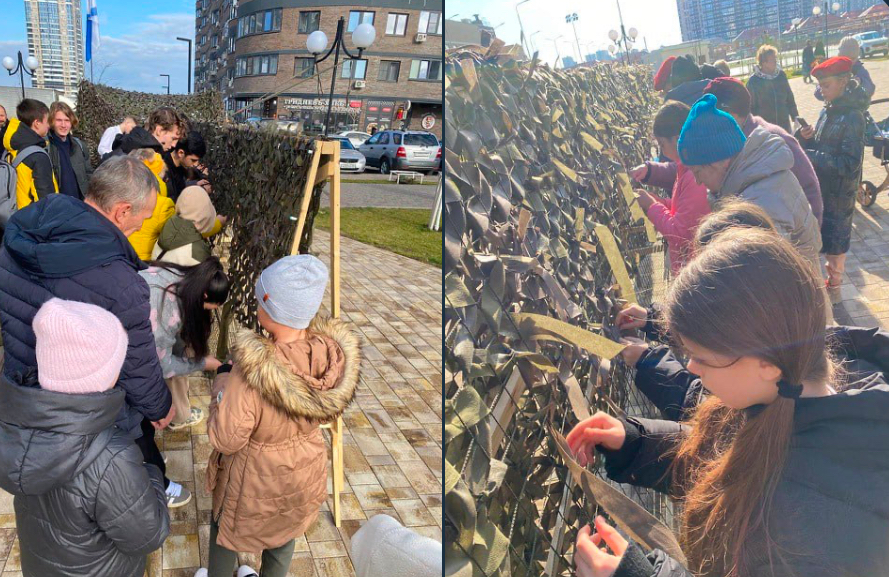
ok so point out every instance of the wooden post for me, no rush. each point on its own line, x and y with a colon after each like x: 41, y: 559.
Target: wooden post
x: 326, y: 166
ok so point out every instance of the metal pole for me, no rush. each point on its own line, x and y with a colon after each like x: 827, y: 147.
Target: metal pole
x: 22, y: 74
x: 577, y: 40
x: 522, y: 28
x: 623, y: 33
x: 826, y: 51
x: 189, y: 60
x: 336, y: 61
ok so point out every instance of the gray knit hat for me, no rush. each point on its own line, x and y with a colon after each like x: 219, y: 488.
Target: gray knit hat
x: 291, y: 289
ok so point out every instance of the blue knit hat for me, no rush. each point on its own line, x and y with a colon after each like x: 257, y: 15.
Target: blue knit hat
x: 709, y: 134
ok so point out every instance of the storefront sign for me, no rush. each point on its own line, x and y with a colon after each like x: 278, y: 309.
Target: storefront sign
x: 379, y: 114
x: 318, y: 104
x: 428, y: 122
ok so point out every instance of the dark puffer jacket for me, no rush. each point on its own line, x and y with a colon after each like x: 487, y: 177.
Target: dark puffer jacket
x: 85, y: 503
x: 61, y: 247
x: 772, y: 99
x: 837, y: 152
x: 829, y: 515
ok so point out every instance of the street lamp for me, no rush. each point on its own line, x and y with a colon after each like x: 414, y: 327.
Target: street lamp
x: 168, y: 82
x: 572, y: 18
x: 28, y: 65
x: 521, y: 28
x: 531, y: 40
x: 627, y: 40
x: 816, y: 10
x: 363, y: 36
x: 555, y: 42
x: 189, y: 60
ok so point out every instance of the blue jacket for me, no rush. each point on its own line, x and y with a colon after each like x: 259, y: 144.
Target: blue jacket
x: 61, y: 247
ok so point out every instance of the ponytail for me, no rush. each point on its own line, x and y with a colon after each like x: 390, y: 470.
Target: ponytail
x: 199, y: 284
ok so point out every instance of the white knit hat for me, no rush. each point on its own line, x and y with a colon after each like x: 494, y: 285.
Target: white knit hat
x: 291, y: 289
x: 80, y: 347
x: 850, y: 48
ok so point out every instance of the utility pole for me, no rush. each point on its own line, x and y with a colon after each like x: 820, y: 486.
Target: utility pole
x: 168, y: 82
x: 572, y: 18
x: 522, y: 28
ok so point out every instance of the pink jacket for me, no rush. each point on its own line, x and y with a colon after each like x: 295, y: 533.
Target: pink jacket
x: 678, y: 217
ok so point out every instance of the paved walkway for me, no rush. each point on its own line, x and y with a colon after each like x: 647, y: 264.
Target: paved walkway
x: 393, y: 442
x: 863, y: 298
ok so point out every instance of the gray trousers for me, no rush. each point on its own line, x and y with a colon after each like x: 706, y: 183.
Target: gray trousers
x: 275, y: 562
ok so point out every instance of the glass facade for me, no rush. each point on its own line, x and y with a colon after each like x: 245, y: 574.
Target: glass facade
x: 55, y: 38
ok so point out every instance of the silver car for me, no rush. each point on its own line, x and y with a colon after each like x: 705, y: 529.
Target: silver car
x: 357, y: 138
x: 350, y: 159
x: 402, y: 150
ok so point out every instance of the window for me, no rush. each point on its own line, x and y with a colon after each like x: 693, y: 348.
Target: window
x: 257, y: 65
x: 389, y: 70
x: 375, y: 139
x: 396, y: 24
x: 215, y: 41
x: 420, y: 140
x: 384, y: 138
x: 430, y: 23
x: 396, y: 138
x: 357, y: 17
x: 309, y: 22
x: 303, y: 67
x: 260, y: 22
x: 231, y: 44
x: 425, y: 70
x: 360, y: 69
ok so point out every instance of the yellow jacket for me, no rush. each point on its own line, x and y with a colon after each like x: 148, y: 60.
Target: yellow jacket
x: 144, y: 239
x: 34, y: 175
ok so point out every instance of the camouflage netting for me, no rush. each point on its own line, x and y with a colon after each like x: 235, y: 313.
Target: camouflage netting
x: 536, y: 160
x: 100, y: 106
x: 258, y: 180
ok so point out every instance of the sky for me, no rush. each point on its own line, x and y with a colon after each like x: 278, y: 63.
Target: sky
x: 656, y: 20
x: 138, y: 42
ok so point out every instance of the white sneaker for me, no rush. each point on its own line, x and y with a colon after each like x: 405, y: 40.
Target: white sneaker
x: 195, y: 418
x: 177, y: 495
x: 246, y: 571
x: 201, y: 573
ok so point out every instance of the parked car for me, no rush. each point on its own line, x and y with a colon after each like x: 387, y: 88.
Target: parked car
x: 402, y: 150
x: 350, y: 159
x: 356, y: 137
x: 872, y: 43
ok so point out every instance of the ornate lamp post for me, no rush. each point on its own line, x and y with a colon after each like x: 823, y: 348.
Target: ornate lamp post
x: 816, y: 10
x: 363, y: 36
x: 28, y: 65
x: 623, y: 38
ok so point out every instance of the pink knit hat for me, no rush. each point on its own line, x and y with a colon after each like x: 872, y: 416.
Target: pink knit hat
x: 80, y: 347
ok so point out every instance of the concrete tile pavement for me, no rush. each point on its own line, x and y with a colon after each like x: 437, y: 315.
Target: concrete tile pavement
x: 863, y: 298
x: 393, y: 436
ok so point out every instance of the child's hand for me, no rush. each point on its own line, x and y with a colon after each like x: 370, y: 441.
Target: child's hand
x: 632, y: 317
x: 592, y: 560
x: 639, y: 173
x: 644, y: 199
x: 211, y: 363
x: 600, y: 429
x: 633, y: 350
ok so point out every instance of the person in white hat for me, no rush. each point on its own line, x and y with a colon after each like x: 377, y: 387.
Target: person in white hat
x: 268, y: 470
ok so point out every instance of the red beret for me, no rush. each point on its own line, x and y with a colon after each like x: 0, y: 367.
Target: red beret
x: 730, y: 92
x: 832, y: 67
x: 663, y: 73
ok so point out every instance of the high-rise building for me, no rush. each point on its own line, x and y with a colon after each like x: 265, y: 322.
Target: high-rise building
x: 55, y: 38
x: 700, y: 19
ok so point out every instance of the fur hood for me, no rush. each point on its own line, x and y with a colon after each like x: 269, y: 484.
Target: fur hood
x: 265, y: 371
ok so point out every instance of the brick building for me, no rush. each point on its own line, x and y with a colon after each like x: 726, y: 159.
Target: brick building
x: 251, y: 49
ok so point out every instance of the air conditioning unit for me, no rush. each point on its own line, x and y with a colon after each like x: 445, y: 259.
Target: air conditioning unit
x: 360, y: 84
x: 420, y: 38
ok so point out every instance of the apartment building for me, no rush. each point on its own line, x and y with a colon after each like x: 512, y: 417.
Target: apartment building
x: 55, y: 38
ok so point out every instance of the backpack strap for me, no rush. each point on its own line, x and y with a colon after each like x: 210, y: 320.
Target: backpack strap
x: 26, y: 152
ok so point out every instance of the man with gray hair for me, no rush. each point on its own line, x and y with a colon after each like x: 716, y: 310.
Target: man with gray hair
x: 78, y: 250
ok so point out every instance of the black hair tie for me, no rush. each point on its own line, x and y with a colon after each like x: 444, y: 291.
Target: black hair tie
x: 789, y: 390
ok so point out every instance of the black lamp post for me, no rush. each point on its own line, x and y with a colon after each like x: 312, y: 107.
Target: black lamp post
x: 28, y: 65
x: 168, y: 82
x: 363, y: 36
x: 189, y: 60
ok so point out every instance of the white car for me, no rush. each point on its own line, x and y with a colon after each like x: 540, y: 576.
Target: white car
x: 355, y: 137
x: 872, y: 43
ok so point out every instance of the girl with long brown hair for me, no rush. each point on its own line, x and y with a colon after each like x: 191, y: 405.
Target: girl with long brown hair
x: 779, y: 474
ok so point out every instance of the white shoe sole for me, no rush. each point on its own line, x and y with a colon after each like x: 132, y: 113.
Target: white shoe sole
x: 174, y: 505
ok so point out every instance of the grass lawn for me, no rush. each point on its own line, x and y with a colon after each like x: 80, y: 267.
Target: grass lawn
x: 400, y: 230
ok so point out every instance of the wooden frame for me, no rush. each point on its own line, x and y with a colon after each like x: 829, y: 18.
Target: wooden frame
x: 325, y: 165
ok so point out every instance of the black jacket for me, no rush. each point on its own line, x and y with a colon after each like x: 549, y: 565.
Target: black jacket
x: 85, y: 503
x: 175, y: 178
x: 862, y: 352
x: 772, y: 99
x: 80, y: 162
x: 688, y: 92
x: 829, y: 514
x: 137, y: 138
x: 61, y: 247
x: 837, y: 149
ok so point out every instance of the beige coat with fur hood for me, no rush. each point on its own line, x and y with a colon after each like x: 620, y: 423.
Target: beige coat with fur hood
x: 268, y: 469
